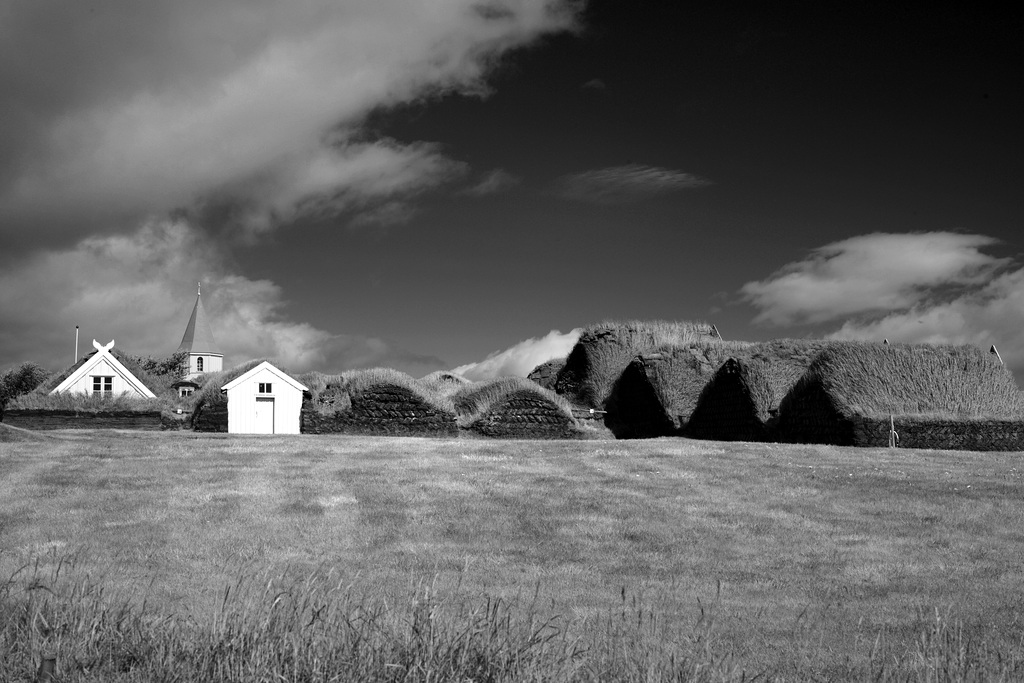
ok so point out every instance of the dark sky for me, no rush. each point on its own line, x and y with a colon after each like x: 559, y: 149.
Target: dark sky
x: 382, y: 184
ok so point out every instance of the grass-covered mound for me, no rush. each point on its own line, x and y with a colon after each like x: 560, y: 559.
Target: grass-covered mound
x: 604, y: 350
x: 515, y: 408
x: 741, y: 401
x: 444, y: 382
x: 954, y: 397
x: 378, y: 401
x: 546, y: 374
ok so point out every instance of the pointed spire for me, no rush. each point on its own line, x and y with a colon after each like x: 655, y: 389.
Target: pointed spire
x: 198, y: 336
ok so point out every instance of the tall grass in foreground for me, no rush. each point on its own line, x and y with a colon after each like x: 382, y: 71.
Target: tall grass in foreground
x: 317, y: 629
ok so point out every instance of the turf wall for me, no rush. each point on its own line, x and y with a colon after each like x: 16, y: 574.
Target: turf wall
x: 71, y: 419
x: 942, y: 434
x: 524, y: 415
x: 381, y: 410
x: 211, y: 417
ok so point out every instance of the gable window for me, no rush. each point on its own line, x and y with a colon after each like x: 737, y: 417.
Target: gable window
x: 199, y: 364
x: 266, y: 388
x: 102, y: 385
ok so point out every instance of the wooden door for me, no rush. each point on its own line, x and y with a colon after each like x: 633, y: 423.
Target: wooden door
x: 264, y: 423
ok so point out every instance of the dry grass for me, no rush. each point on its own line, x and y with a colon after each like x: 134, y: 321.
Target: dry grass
x: 796, y: 562
x: 88, y: 403
x: 878, y: 380
x: 444, y: 382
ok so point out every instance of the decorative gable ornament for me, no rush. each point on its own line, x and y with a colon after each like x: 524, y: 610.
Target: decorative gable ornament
x: 102, y: 373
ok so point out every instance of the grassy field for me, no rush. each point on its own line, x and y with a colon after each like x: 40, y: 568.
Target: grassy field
x: 348, y: 558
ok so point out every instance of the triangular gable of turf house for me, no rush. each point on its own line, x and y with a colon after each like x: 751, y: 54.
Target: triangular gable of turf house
x: 103, y: 373
x: 657, y: 392
x: 741, y: 401
x: 264, y: 400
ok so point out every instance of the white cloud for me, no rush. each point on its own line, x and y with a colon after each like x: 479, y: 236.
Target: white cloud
x: 871, y: 274
x: 621, y: 184
x: 119, y: 110
x: 366, y: 177
x: 138, y: 289
x: 497, y: 180
x: 519, y: 360
x: 918, y: 288
x: 992, y: 314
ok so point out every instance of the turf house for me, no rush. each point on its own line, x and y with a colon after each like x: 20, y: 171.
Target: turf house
x: 658, y: 391
x: 604, y: 350
x: 515, y: 408
x: 103, y: 374
x: 546, y: 374
x: 264, y: 400
x: 741, y: 400
x: 107, y: 388
x: 378, y: 401
x: 943, y: 397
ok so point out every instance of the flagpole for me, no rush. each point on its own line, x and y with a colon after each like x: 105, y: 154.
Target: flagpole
x: 76, y: 346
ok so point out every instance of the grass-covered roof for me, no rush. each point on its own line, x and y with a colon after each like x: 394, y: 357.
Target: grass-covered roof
x: 874, y: 379
x: 354, y: 382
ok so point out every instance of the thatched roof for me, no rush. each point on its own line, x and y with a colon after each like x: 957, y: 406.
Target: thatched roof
x: 604, y: 350
x: 546, y: 374
x: 515, y: 407
x: 920, y: 379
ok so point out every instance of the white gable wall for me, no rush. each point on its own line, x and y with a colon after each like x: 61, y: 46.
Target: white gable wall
x: 243, y: 409
x: 103, y: 364
x: 83, y: 385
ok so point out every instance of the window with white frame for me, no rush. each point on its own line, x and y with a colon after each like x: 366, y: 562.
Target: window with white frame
x: 199, y: 364
x: 266, y: 387
x: 102, y: 384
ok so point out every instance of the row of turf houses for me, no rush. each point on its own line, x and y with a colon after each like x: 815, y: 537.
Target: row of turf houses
x: 796, y: 391
x: 386, y: 402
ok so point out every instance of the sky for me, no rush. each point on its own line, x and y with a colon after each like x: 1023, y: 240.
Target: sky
x: 467, y: 183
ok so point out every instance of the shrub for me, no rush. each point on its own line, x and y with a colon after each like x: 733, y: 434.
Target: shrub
x: 18, y: 381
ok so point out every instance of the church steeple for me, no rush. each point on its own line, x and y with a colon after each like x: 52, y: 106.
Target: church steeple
x: 198, y: 342
x: 198, y: 337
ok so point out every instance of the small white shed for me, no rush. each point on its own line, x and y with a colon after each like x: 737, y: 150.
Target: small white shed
x: 264, y: 401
